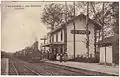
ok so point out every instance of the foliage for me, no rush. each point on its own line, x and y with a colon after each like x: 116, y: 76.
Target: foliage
x: 109, y: 18
x: 55, y: 14
x: 85, y: 59
x: 115, y: 15
x: 52, y: 14
x: 4, y: 54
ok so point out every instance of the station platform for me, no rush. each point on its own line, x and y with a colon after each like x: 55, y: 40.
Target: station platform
x: 89, y: 66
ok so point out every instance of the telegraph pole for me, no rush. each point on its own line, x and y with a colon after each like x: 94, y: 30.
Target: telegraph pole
x: 66, y: 11
x: 103, y: 21
x: 87, y: 34
x: 103, y: 29
x: 65, y: 30
x: 74, y: 31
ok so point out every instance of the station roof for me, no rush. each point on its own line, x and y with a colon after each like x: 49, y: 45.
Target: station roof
x: 108, y: 41
x: 97, y: 26
x: 55, y: 43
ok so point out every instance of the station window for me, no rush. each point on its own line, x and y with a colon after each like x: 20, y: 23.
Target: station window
x: 52, y: 38
x: 61, y: 35
x: 56, y: 37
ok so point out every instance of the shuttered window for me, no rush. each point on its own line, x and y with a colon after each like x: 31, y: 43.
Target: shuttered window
x: 61, y: 35
x: 56, y: 37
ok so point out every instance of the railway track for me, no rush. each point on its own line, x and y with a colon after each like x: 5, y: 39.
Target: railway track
x: 75, y: 70
x: 68, y: 69
x: 29, y: 70
x: 45, y: 68
x: 15, y: 70
x: 34, y: 72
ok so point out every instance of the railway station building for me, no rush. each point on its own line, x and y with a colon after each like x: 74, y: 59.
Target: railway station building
x: 60, y: 40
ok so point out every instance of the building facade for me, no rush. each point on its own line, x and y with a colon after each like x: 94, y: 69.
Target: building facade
x: 60, y: 40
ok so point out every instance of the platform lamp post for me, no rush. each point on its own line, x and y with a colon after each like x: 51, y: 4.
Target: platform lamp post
x: 44, y: 40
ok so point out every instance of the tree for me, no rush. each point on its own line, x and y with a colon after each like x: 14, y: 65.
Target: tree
x: 55, y: 14
x: 108, y: 16
x: 102, y: 12
x: 115, y: 17
x: 52, y: 14
x: 87, y: 29
x: 4, y: 54
x: 102, y: 17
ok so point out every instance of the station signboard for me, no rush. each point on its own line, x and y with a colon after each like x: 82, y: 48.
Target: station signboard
x: 43, y: 38
x: 79, y: 32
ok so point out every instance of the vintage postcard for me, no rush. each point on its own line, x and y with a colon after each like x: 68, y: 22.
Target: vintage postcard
x: 62, y: 38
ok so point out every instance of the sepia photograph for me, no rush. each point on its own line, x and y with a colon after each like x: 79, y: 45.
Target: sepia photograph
x: 60, y: 38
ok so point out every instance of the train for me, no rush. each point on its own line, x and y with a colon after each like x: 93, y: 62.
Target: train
x: 30, y: 54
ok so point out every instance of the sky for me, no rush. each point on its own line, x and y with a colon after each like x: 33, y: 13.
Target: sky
x: 21, y: 27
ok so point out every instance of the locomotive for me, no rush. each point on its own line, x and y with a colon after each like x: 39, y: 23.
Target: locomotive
x: 30, y: 54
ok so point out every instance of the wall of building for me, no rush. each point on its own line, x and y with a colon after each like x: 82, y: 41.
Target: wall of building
x: 80, y: 39
x: 102, y: 54
x: 59, y: 36
x: 48, y: 39
x: 109, y: 54
x: 106, y: 55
